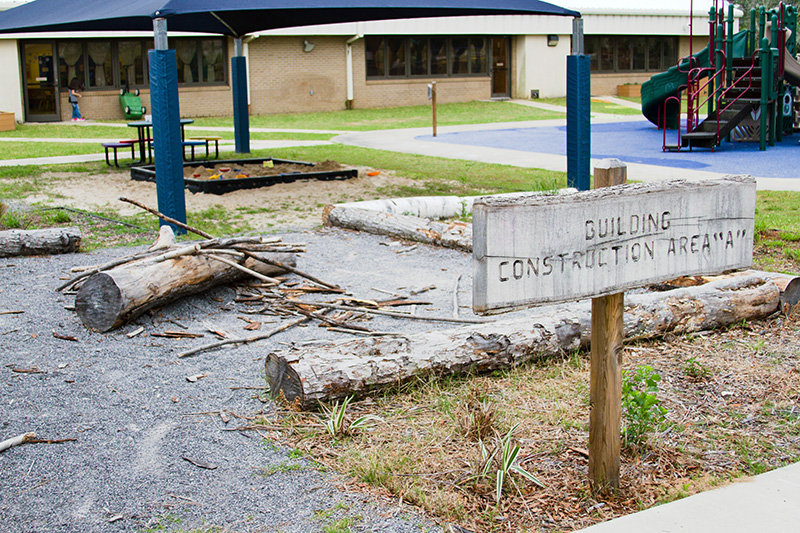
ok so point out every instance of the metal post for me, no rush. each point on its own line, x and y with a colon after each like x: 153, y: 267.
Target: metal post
x: 241, y: 116
x: 764, y: 56
x: 578, y: 112
x: 433, y: 105
x: 165, y: 106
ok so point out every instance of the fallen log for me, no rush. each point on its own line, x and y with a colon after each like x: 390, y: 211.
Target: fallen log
x: 109, y: 299
x: 434, y: 206
x: 451, y: 235
x: 14, y: 242
x: 318, y: 373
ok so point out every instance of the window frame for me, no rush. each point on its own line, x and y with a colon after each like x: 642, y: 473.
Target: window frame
x: 146, y: 44
x: 383, y: 50
x: 598, y: 60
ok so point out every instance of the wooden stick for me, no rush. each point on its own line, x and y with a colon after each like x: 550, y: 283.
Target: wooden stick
x: 105, y: 266
x: 16, y: 441
x: 399, y: 315
x: 331, y: 321
x: 245, y: 340
x: 300, y: 273
x: 253, y: 273
x: 167, y: 219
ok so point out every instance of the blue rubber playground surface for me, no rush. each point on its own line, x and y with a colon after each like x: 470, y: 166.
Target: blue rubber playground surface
x: 640, y: 142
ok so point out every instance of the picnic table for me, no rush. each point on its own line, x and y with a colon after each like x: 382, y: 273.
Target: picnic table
x: 145, y: 140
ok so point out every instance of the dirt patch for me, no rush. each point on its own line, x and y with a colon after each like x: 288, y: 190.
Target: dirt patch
x: 294, y: 205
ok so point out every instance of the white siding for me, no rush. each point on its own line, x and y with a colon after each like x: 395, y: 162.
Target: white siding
x: 11, y: 81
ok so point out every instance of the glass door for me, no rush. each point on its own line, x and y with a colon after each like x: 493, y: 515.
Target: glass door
x: 501, y: 74
x: 41, y: 87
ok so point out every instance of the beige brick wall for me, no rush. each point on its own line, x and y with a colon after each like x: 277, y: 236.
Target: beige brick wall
x: 283, y: 77
x: 195, y: 102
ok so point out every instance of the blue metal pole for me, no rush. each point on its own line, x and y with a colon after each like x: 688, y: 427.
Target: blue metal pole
x: 165, y: 108
x: 578, y: 113
x: 241, y: 116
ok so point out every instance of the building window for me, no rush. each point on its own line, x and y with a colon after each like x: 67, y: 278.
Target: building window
x: 131, y: 63
x: 116, y: 64
x: 406, y: 57
x: 626, y: 53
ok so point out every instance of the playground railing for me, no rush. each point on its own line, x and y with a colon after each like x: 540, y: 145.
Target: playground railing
x: 693, y: 106
x: 662, y: 119
x: 736, y: 84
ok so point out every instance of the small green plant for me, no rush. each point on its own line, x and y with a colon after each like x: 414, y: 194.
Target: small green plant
x: 336, y: 424
x: 695, y: 369
x: 506, y: 463
x: 641, y: 409
x: 342, y: 525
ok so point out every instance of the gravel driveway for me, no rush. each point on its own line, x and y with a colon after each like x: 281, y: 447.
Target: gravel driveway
x: 138, y: 422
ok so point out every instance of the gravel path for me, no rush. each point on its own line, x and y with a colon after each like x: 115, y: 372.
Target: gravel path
x: 137, y: 419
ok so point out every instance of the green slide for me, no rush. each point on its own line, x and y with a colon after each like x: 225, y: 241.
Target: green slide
x: 657, y: 89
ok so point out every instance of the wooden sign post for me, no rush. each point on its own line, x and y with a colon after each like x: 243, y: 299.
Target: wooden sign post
x: 605, y: 374
x: 529, y: 250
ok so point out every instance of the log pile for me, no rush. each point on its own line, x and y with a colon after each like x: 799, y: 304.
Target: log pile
x: 310, y: 375
x: 15, y: 242
x: 119, y: 292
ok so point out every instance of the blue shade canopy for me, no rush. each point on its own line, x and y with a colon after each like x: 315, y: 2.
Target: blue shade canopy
x: 240, y: 17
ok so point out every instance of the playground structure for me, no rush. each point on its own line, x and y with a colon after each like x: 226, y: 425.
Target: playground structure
x: 744, y: 83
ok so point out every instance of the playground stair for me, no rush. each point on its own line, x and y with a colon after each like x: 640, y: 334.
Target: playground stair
x: 736, y: 103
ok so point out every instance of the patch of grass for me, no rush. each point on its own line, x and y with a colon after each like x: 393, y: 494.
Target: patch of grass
x: 343, y: 525
x: 218, y: 220
x: 394, y: 117
x: 161, y: 523
x: 67, y: 131
x: 23, y: 150
x: 280, y: 468
x: 436, y: 175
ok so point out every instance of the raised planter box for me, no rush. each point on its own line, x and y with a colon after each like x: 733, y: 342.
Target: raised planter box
x: 7, y: 122
x: 631, y: 91
x: 221, y: 186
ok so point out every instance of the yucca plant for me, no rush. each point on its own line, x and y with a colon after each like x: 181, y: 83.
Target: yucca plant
x: 336, y: 424
x: 509, y: 452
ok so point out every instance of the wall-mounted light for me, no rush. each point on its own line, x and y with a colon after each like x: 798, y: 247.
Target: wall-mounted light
x: 307, y: 46
x: 552, y: 40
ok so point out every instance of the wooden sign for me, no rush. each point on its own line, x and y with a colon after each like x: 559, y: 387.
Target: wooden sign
x: 548, y: 249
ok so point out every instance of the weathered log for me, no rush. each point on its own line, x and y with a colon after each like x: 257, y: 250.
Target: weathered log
x: 15, y: 242
x: 329, y: 372
x: 109, y: 299
x: 433, y: 206
x: 450, y: 235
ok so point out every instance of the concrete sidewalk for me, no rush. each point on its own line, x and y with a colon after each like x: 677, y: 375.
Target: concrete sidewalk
x: 768, y: 502
x: 420, y: 141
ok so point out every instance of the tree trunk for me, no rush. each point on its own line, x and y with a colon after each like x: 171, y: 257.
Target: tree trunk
x: 451, y: 235
x: 329, y: 372
x: 109, y: 299
x: 15, y: 242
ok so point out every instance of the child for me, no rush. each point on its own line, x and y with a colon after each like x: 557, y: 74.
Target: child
x: 74, y: 85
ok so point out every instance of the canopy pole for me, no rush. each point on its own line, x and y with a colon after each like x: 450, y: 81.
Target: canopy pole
x: 165, y: 107
x: 578, y: 112
x: 241, y: 117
